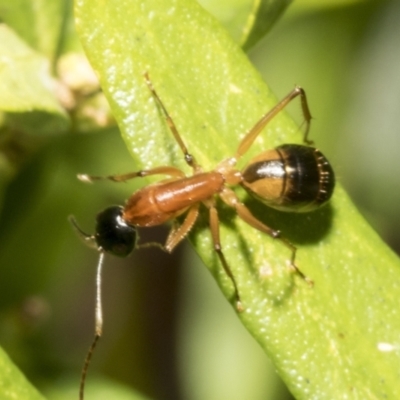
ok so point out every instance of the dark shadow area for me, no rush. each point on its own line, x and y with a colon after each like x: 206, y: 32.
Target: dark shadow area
x: 299, y: 228
x: 147, y: 345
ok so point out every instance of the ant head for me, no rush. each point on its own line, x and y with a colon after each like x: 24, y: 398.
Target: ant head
x: 113, y: 235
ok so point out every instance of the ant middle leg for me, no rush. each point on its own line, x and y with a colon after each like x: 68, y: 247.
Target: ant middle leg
x: 190, y: 160
x: 165, y: 170
x: 230, y: 198
x: 251, y: 136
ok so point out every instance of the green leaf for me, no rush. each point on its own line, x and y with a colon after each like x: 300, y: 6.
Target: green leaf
x: 13, y: 385
x: 98, y: 389
x: 26, y: 83
x: 28, y: 101
x: 336, y: 340
x: 38, y: 22
x: 247, y: 21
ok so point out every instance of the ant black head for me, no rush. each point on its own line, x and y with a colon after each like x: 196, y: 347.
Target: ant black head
x: 113, y: 235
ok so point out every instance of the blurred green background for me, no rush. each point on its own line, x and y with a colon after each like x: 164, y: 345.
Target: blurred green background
x: 169, y: 333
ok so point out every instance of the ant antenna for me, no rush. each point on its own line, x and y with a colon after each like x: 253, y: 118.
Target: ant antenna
x: 115, y: 236
x: 89, y: 240
x: 98, y: 327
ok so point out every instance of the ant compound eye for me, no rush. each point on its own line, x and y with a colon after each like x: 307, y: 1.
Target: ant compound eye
x: 113, y: 234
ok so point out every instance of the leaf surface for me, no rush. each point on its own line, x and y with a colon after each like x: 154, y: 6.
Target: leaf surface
x: 337, y: 340
x: 13, y: 385
x: 25, y: 80
x: 247, y: 21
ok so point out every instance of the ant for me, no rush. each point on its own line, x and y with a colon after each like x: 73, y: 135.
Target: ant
x: 291, y: 177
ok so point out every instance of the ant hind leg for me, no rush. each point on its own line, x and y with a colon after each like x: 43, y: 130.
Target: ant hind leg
x: 230, y: 198
x: 252, y: 135
x: 214, y: 227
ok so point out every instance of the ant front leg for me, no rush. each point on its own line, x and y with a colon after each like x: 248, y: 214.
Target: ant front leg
x: 230, y: 198
x: 178, y: 233
x: 168, y: 171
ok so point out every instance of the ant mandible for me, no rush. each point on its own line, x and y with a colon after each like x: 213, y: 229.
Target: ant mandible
x: 291, y: 177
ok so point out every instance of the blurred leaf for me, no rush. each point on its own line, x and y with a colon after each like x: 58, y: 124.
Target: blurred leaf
x: 247, y: 21
x: 13, y: 385
x: 26, y: 83
x: 28, y: 101
x: 38, y: 22
x: 316, y: 4
x: 99, y: 389
x: 337, y: 340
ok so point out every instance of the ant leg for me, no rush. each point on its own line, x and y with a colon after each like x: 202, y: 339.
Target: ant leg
x: 248, y: 140
x: 169, y: 171
x: 89, y: 240
x: 177, y: 234
x: 214, y: 227
x: 188, y: 157
x: 230, y: 198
